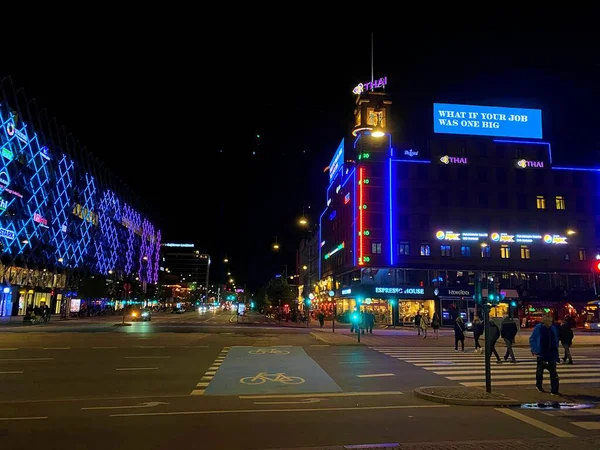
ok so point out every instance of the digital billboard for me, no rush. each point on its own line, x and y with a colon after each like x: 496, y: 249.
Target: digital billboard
x: 337, y: 162
x: 487, y: 121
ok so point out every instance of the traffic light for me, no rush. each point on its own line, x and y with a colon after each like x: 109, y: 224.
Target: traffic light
x: 513, y: 304
x: 493, y: 296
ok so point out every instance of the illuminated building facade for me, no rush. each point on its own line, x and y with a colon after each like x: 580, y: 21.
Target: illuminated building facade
x: 407, y: 229
x: 62, y: 214
x: 185, y: 265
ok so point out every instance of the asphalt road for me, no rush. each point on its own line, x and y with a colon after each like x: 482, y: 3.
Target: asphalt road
x: 152, y: 386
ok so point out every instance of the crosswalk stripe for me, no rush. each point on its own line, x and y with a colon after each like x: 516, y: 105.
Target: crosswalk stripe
x: 468, y: 368
x: 529, y: 382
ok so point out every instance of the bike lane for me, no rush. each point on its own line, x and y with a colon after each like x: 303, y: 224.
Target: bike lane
x: 269, y: 370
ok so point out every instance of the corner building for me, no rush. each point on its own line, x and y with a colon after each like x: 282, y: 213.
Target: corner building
x: 407, y: 229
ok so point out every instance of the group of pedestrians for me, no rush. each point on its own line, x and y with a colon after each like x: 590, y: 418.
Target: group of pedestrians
x: 422, y: 323
x: 366, y: 320
x: 544, y: 343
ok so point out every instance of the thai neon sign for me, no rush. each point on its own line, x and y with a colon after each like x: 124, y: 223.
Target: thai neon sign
x: 369, y: 86
x: 453, y: 160
x: 335, y: 250
x: 526, y: 164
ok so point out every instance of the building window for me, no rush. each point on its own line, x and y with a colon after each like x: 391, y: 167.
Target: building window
x: 425, y: 250
x: 560, y: 202
x: 403, y: 249
x: 540, y: 202
x: 376, y: 248
x: 505, y: 252
x: 525, y: 252
x: 582, y: 255
x: 485, y: 251
x: 446, y: 250
x: 465, y: 250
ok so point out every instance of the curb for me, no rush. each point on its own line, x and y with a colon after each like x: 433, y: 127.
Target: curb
x: 322, y: 339
x: 419, y: 393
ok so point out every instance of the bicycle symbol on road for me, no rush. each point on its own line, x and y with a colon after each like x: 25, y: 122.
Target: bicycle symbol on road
x: 268, y: 351
x: 263, y: 377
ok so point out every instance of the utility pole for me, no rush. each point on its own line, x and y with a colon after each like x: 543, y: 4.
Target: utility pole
x: 488, y: 340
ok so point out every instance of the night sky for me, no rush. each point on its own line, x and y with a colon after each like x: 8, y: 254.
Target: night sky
x: 176, y: 116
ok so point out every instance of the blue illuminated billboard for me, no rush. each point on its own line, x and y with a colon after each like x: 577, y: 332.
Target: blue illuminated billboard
x: 487, y: 121
x: 337, y: 162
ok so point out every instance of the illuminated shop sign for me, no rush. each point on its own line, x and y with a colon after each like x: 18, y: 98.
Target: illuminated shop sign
x: 346, y: 291
x: 45, y: 153
x: 335, y: 250
x: 86, y: 214
x: 410, y: 153
x: 3, y: 204
x: 453, y: 160
x: 337, y: 163
x: 487, y: 121
x: 4, y: 178
x: 8, y: 234
x: 525, y: 164
x: 466, y: 291
x: 7, y: 153
x: 173, y: 244
x: 369, y: 86
x: 400, y: 290
x: 41, y: 220
x: 347, y: 198
x: 12, y: 130
x: 503, y: 238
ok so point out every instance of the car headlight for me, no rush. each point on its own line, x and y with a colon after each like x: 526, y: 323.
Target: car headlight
x: 145, y: 314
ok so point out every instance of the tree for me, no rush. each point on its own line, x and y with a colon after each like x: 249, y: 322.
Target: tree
x: 278, y: 289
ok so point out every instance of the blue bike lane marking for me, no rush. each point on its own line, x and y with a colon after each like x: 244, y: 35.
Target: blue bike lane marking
x: 270, y: 370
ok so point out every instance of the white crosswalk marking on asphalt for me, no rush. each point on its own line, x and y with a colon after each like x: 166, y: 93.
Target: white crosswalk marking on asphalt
x: 468, y: 368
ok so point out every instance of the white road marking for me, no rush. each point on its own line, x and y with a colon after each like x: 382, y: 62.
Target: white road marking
x: 56, y: 348
x: 531, y: 381
x: 206, y: 378
x: 150, y: 346
x: 332, y: 394
x: 8, y: 349
x: 24, y: 418
x: 306, y: 400
x: 587, y: 425
x: 141, y: 405
x: 373, y: 375
x: 196, y: 392
x: 319, y: 345
x: 212, y: 372
x: 295, y: 410
x: 147, y: 357
x: 202, y: 384
x: 535, y: 423
x: 11, y: 372
x: 138, y: 368
x: 104, y: 348
x: 25, y: 359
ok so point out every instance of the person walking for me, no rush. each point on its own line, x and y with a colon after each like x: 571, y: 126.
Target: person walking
x: 565, y: 334
x: 459, y: 334
x: 493, y: 337
x: 418, y: 323
x: 370, y: 321
x: 544, y: 346
x: 321, y: 317
x: 508, y: 331
x: 477, y: 332
x: 435, y: 325
x: 424, y: 325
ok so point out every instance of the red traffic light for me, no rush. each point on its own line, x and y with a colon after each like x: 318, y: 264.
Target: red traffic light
x: 597, y: 266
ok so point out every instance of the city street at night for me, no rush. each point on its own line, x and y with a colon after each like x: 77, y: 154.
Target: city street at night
x: 132, y: 388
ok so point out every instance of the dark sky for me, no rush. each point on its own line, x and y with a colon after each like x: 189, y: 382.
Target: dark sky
x: 176, y: 115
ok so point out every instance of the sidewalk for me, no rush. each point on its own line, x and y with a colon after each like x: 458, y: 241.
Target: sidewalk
x: 507, y: 396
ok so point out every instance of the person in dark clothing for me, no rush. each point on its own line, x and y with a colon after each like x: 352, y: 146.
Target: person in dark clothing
x: 565, y: 334
x: 459, y: 334
x: 544, y: 345
x: 418, y: 323
x: 494, y: 336
x: 435, y: 325
x: 370, y: 322
x: 477, y: 332
x: 321, y: 317
x: 508, y: 331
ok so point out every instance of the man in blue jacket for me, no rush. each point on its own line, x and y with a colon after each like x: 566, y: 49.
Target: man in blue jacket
x: 544, y: 345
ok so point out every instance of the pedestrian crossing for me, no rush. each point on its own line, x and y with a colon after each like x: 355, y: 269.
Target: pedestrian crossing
x: 468, y: 368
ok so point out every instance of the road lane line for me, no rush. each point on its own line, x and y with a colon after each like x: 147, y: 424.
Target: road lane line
x: 332, y: 394
x: 24, y: 418
x: 147, y: 357
x: 56, y: 348
x: 197, y: 392
x: 210, y: 372
x: 373, y: 375
x: 206, y: 378
x: 150, y: 346
x: 25, y: 359
x: 104, y: 348
x: 195, y: 346
x: 202, y: 384
x: 319, y: 345
x: 8, y: 349
x: 535, y: 423
x: 11, y: 372
x: 587, y: 425
x: 137, y: 368
x: 255, y: 411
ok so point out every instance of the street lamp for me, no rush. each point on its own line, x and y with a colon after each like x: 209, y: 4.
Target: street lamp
x: 276, y: 244
x: 570, y: 232
x: 304, y: 267
x: 225, y: 260
x: 231, y: 280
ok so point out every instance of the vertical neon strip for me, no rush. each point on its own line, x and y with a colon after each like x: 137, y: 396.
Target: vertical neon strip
x: 391, y: 231
x: 360, y: 218
x: 354, y: 202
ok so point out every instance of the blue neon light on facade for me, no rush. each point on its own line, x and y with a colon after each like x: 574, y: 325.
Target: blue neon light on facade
x: 487, y: 121
x: 511, y: 141
x: 391, y: 230
x: 321, y: 239
x: 337, y: 163
x: 583, y: 169
x: 418, y: 161
x: 355, y: 218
